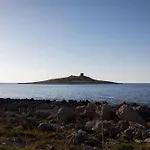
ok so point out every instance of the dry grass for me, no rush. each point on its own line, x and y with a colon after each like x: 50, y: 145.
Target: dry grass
x: 34, y: 139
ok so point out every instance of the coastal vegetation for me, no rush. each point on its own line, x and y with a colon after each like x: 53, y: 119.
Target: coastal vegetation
x: 30, y: 124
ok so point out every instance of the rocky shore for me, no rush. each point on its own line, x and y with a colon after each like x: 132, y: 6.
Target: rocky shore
x: 29, y: 124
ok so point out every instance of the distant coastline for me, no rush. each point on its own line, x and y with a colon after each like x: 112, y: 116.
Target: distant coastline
x: 81, y: 79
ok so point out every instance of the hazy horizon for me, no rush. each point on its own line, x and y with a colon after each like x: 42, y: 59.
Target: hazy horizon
x: 75, y: 84
x: 107, y: 40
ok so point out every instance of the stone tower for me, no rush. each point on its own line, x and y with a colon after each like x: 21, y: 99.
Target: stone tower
x: 81, y: 74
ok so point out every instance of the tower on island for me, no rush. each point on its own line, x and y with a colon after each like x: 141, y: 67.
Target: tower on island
x: 81, y: 74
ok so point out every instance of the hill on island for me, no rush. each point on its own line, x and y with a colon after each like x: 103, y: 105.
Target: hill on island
x: 81, y: 79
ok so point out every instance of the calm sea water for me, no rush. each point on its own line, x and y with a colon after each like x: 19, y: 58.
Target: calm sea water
x: 114, y: 93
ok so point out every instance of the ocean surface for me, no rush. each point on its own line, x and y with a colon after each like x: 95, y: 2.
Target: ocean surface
x: 113, y: 93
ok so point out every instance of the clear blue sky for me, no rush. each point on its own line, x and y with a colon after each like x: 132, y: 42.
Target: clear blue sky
x: 105, y: 39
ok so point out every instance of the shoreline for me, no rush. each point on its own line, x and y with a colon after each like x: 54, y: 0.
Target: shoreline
x: 72, y: 125
x: 69, y: 101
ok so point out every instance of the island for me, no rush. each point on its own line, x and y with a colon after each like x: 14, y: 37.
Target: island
x: 81, y: 79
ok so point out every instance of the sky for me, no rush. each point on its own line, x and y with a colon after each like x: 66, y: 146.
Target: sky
x: 105, y: 39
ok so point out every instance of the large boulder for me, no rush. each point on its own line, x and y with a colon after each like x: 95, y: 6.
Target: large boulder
x: 89, y: 112
x: 93, y: 112
x: 91, y: 107
x: 144, y: 112
x: 126, y: 112
x: 66, y: 114
x: 106, y: 112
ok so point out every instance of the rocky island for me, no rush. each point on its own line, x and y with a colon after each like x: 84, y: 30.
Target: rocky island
x: 81, y: 79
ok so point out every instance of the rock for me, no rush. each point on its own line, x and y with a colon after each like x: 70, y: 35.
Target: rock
x: 103, y: 124
x: 93, y: 143
x: 14, y: 119
x: 77, y: 138
x: 114, y: 132
x: 87, y: 147
x: 43, y: 113
x: 89, y: 115
x: 108, y: 128
x: 102, y: 135
x: 147, y: 133
x: 81, y: 136
x: 140, y: 109
x: 46, y: 127
x: 80, y: 109
x: 10, y: 114
x: 89, y: 112
x: 79, y: 125
x: 16, y: 141
x: 90, y: 143
x: 138, y: 134
x: 72, y: 102
x: 126, y: 112
x: 30, y: 123
x: 91, y: 107
x: 123, y: 125
x: 96, y: 115
x: 128, y: 134
x: 135, y: 131
x: 52, y: 148
x: 63, y: 102
x: 138, y: 141
x: 106, y: 112
x: 42, y: 106
x: 97, y: 148
x: 70, y: 126
x: 90, y: 124
x: 66, y: 114
x: 144, y: 112
x: 147, y: 140
x: 137, y: 125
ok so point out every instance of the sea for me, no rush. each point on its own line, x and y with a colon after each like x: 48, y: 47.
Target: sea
x: 112, y: 93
